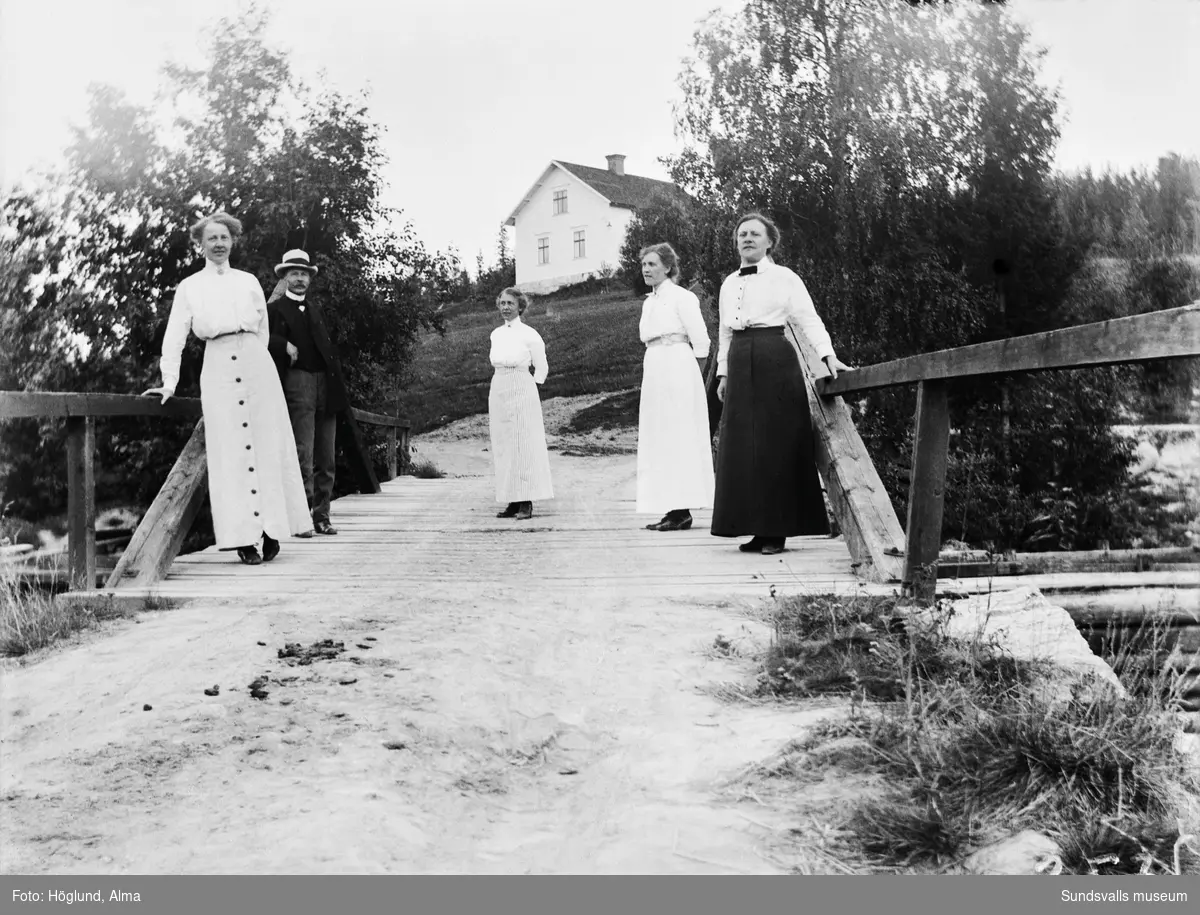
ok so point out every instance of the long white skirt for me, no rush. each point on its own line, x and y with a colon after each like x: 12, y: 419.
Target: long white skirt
x: 518, y: 437
x: 674, y: 458
x: 254, y: 481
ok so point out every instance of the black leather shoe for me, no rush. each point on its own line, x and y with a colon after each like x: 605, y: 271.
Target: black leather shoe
x: 753, y: 545
x: 676, y: 524
x: 270, y: 548
x: 525, y: 512
x: 510, y: 512
x: 657, y: 525
x: 773, y: 546
x: 249, y: 555
x: 305, y: 535
x: 324, y: 527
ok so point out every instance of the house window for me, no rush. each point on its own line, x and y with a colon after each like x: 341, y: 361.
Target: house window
x: 544, y: 249
x: 560, y: 201
x: 580, y: 244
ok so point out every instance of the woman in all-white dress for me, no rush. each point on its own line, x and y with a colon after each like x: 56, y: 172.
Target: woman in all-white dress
x: 515, y: 425
x: 674, y: 457
x: 254, y: 482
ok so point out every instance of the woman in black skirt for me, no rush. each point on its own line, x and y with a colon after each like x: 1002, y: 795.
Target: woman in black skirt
x: 766, y: 476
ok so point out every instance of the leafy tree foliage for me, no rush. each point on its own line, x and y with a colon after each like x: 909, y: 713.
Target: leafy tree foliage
x: 490, y: 280
x: 99, y: 246
x: 1136, y: 214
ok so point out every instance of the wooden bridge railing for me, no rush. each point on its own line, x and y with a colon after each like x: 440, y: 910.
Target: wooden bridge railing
x: 873, y: 535
x: 879, y: 547
x: 162, y: 530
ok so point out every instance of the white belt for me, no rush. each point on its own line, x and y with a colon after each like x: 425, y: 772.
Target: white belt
x: 667, y: 338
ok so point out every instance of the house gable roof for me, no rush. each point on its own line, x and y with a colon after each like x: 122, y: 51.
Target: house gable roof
x: 628, y: 191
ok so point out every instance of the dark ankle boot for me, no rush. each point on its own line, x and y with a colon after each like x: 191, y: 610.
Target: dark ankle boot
x: 249, y: 555
x: 678, y: 519
x: 753, y: 545
x: 657, y: 525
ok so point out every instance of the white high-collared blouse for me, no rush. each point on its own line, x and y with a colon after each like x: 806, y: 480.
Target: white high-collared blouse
x: 212, y: 302
x: 772, y: 297
x: 671, y: 309
x: 517, y: 345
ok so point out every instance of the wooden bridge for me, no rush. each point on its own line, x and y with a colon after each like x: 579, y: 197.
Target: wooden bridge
x: 407, y: 533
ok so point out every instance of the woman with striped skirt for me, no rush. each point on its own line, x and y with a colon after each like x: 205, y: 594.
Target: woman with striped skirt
x: 518, y: 435
x: 674, y: 455
x: 766, y: 480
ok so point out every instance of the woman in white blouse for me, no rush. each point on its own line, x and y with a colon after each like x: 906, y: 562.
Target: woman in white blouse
x: 767, y: 481
x: 254, y: 482
x: 515, y: 425
x: 674, y: 457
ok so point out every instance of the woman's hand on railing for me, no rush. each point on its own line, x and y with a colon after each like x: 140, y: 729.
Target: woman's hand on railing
x: 163, y: 392
x: 835, y: 365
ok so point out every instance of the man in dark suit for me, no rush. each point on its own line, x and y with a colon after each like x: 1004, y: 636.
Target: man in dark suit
x: 312, y: 380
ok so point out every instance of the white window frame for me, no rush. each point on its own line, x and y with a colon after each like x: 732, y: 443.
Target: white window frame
x: 559, y: 195
x: 543, y: 248
x: 579, y: 241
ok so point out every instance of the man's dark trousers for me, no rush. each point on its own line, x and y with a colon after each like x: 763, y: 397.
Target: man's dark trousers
x: 315, y: 431
x: 314, y: 389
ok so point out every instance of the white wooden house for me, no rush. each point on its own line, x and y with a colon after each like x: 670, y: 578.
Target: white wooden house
x: 572, y: 221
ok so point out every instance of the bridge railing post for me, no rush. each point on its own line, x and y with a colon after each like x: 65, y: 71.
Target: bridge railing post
x: 81, y: 503
x: 391, y: 453
x: 927, y: 492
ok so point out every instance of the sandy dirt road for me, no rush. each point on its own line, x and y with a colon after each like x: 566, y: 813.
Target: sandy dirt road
x: 475, y: 729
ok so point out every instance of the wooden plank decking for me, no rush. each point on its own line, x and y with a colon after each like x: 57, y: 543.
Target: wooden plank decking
x: 422, y: 535
x: 433, y: 536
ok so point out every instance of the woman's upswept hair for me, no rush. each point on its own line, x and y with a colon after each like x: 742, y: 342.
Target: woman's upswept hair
x: 772, y: 229
x: 232, y: 223
x: 522, y: 299
x: 666, y: 254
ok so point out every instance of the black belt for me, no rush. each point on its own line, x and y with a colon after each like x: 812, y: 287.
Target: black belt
x: 762, y: 329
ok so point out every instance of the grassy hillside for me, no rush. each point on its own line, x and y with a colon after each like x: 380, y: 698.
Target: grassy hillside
x: 592, y: 346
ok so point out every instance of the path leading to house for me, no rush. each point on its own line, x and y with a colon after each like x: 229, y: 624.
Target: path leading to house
x: 512, y: 697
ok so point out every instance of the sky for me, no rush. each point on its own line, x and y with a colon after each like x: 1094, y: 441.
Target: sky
x: 477, y: 96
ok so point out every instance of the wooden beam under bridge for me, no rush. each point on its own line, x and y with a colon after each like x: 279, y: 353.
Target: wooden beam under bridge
x: 856, y: 494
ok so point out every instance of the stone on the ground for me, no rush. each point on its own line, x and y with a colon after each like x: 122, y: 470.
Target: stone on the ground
x: 1027, y: 852
x: 1025, y: 625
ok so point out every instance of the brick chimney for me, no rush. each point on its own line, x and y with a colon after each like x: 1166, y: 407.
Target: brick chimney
x: 616, y: 164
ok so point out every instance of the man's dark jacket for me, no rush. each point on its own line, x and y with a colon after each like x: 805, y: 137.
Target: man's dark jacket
x: 280, y: 322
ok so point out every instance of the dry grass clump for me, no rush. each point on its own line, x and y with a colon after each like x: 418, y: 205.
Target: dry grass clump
x: 423, y: 469
x: 970, y: 747
x: 860, y: 647
x: 31, y: 619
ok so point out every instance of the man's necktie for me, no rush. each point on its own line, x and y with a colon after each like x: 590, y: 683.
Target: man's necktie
x: 746, y: 271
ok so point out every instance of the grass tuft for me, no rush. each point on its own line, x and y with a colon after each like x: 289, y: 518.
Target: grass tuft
x: 969, y: 749
x: 31, y: 619
x: 424, y: 469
